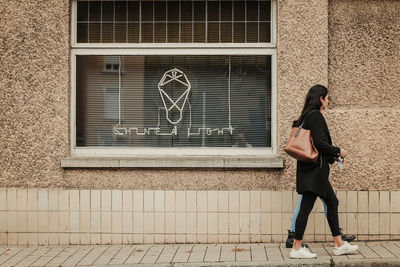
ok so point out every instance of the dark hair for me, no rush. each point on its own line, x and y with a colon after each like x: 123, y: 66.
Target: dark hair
x: 312, y: 101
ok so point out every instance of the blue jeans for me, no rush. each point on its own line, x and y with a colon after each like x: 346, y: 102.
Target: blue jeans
x: 296, y: 212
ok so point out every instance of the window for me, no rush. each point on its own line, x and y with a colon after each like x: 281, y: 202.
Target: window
x: 153, y: 77
x: 193, y: 21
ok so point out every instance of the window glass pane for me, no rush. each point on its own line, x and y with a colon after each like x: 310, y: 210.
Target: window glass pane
x: 239, y: 10
x: 173, y: 32
x: 82, y: 36
x: 199, y: 11
x: 108, y: 11
x: 239, y: 32
x: 108, y: 33
x: 133, y: 32
x: 226, y: 10
x: 160, y: 32
x: 186, y: 11
x: 199, y: 32
x: 186, y: 33
x: 173, y: 101
x: 147, y: 32
x: 95, y: 11
x: 120, y: 11
x: 265, y: 32
x: 120, y: 32
x: 265, y: 10
x: 111, y: 97
x: 82, y: 28
x: 251, y: 81
x: 213, y: 33
x: 252, y: 11
x: 160, y: 9
x: 94, y: 21
x: 226, y: 32
x: 252, y: 32
x: 213, y: 10
x: 83, y: 7
x: 133, y: 11
x: 94, y: 32
x: 173, y: 11
x: 147, y: 11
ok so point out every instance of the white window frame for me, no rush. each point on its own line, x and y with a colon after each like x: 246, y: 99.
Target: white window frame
x: 174, y: 49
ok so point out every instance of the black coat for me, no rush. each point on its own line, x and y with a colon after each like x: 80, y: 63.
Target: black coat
x: 314, y: 177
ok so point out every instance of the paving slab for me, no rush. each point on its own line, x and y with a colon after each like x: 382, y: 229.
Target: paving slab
x: 48, y: 256
x: 198, y: 253
x: 167, y: 254
x: 182, y: 254
x: 213, y: 253
x: 258, y: 253
x: 321, y: 252
x: 137, y: 255
x: 92, y: 256
x: 77, y: 256
x: 243, y: 253
x: 62, y: 257
x: 123, y: 255
x: 152, y: 254
x: 366, y: 252
x: 273, y: 253
x: 380, y: 250
x: 29, y: 260
x: 395, y: 250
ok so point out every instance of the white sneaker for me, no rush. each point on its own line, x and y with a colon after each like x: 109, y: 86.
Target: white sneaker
x: 344, y: 249
x: 302, y: 253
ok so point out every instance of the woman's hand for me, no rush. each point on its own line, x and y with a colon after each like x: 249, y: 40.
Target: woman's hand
x: 343, y: 153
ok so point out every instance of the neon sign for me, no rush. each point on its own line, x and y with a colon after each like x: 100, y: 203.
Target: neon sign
x: 169, y: 104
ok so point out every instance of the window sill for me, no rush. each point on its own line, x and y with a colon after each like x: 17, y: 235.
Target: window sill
x: 264, y: 162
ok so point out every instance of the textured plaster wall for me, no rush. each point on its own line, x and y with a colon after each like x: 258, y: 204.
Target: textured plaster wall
x: 365, y: 53
x: 364, y: 71
x: 371, y: 137
x: 34, y: 91
x: 34, y: 102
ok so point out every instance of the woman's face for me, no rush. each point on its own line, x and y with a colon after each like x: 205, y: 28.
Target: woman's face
x: 324, y: 102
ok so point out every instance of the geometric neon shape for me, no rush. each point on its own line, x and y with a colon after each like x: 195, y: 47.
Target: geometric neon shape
x: 180, y: 84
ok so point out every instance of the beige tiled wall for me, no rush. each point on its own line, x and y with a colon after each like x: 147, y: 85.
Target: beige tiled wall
x: 42, y: 217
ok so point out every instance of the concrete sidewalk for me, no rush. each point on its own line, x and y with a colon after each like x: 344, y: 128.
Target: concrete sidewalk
x: 385, y: 253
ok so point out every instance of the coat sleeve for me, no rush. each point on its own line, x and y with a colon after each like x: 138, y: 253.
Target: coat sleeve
x: 319, y: 136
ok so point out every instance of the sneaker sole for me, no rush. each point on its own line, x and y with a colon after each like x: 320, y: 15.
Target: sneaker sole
x: 302, y: 257
x: 344, y: 253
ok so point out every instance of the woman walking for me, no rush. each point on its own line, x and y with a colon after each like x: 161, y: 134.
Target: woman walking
x: 312, y: 179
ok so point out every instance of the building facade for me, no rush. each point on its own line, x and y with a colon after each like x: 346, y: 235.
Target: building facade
x: 164, y: 121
